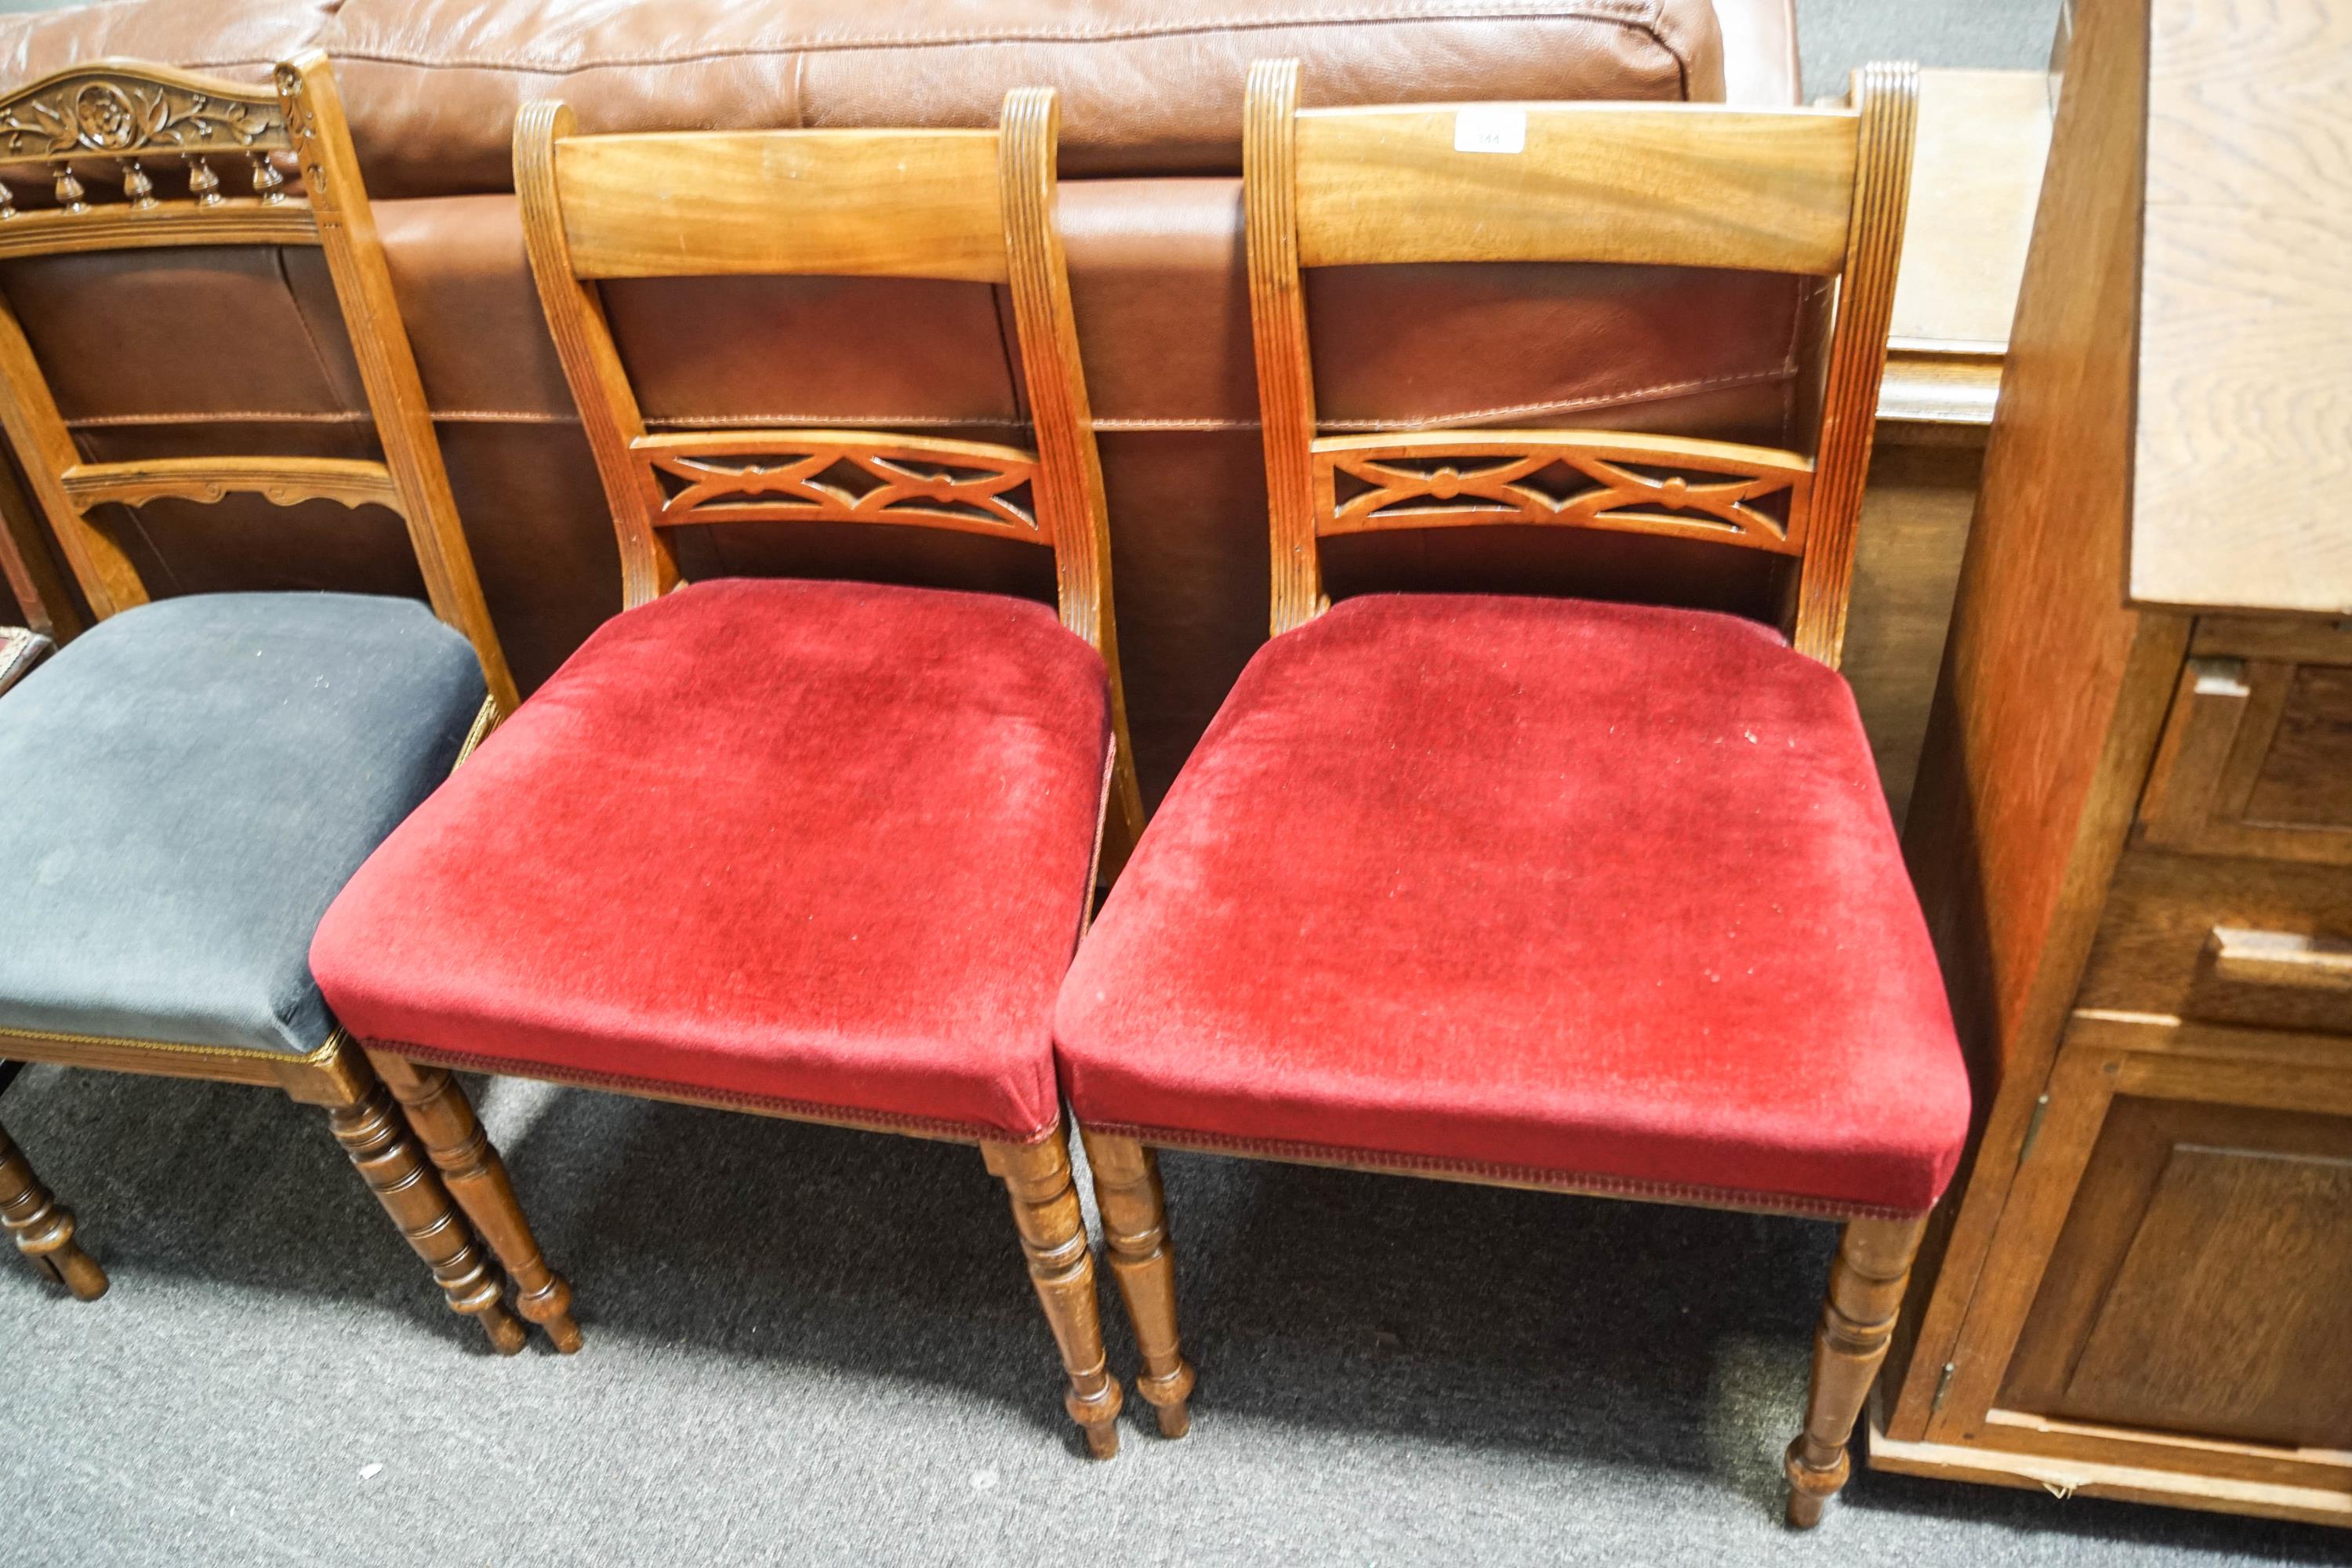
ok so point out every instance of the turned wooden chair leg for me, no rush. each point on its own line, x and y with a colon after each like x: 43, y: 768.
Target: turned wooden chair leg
x: 470, y: 1167
x: 44, y: 1230
x: 1866, y: 1281
x: 370, y: 1130
x: 1135, y: 1223
x: 1062, y: 1267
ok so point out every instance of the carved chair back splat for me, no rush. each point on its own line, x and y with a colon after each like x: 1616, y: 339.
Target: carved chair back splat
x: 1814, y: 192
x: 125, y: 116
x: 968, y: 205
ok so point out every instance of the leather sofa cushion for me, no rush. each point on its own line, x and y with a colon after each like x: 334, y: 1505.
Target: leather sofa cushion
x: 817, y: 846
x: 189, y: 784
x: 1149, y: 86
x: 240, y: 41
x: 1543, y: 888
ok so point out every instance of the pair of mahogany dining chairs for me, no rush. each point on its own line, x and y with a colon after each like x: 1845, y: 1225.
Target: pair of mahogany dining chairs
x: 1539, y: 893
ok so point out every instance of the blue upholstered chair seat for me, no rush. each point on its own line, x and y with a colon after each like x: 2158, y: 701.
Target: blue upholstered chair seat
x: 185, y: 787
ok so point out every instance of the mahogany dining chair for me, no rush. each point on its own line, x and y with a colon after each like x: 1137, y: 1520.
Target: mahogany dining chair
x: 1545, y: 892
x: 811, y: 849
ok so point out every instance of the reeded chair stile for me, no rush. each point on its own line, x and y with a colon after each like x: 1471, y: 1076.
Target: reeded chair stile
x: 192, y: 780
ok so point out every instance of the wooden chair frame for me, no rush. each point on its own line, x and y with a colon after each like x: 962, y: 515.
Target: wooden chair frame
x: 1814, y: 192
x: 964, y: 205
x: 968, y: 205
x: 43, y: 1229
x: 121, y: 114
x: 1819, y: 193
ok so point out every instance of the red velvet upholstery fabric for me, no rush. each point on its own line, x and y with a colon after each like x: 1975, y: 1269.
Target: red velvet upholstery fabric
x: 822, y: 846
x: 1599, y: 894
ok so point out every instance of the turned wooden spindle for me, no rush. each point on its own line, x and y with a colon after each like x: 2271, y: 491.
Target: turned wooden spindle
x: 70, y: 190
x: 1135, y: 1224
x: 44, y: 1230
x: 476, y: 1177
x: 1062, y: 1267
x: 1874, y: 1261
x: 137, y: 186
x: 203, y: 183
x: 378, y: 1141
x: 268, y: 182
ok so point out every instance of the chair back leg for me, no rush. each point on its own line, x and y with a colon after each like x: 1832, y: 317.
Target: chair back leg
x: 1135, y: 1224
x: 440, y: 1113
x: 44, y: 1231
x: 360, y: 1112
x: 1866, y: 1281
x: 1062, y: 1267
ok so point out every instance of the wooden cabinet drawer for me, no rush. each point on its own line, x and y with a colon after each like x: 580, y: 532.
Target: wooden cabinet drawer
x: 2256, y: 758
x: 2262, y: 944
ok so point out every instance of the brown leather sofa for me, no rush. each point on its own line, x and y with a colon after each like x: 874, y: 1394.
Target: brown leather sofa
x: 185, y: 353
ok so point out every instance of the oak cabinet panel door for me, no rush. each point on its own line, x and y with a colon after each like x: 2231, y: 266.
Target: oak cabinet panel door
x: 2202, y: 1281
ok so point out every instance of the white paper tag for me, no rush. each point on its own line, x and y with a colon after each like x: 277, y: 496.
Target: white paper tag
x: 1490, y: 128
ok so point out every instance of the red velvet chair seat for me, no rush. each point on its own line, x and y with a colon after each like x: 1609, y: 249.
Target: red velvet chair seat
x: 1593, y: 895
x: 824, y: 846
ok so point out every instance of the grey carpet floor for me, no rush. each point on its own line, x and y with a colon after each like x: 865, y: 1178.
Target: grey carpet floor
x: 816, y: 1346
x: 1835, y: 35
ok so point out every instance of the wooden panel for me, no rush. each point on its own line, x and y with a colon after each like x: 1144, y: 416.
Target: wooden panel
x: 2245, y: 357
x: 2203, y: 1282
x: 1679, y: 184
x: 2305, y: 777
x: 2256, y: 760
x: 888, y: 204
x: 2068, y: 1461
x: 2158, y: 951
x: 1984, y: 136
x: 1914, y: 525
x: 2053, y: 692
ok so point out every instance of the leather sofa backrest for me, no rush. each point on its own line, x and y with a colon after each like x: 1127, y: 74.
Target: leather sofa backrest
x: 185, y: 356
x: 1148, y: 87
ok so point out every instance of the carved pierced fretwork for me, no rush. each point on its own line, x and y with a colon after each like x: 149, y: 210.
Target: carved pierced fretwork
x: 843, y: 476
x: 1630, y: 483
x: 123, y: 111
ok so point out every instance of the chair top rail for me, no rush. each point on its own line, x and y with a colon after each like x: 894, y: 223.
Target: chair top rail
x: 886, y: 204
x: 127, y: 109
x: 1673, y: 185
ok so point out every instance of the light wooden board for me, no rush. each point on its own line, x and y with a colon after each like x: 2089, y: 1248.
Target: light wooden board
x: 2245, y: 354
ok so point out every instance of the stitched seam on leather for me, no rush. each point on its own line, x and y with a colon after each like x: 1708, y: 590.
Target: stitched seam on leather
x: 1535, y: 1176
x: 946, y: 421
x: 317, y: 355
x: 805, y: 1110
x: 1558, y: 406
x: 1641, y: 18
x: 199, y: 416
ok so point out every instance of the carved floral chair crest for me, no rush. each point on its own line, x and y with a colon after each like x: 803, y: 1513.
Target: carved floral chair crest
x: 191, y: 780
